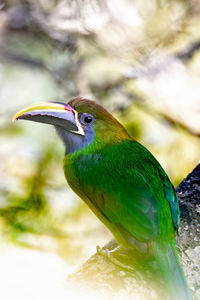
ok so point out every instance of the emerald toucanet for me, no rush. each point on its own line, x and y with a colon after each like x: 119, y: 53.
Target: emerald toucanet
x: 120, y: 180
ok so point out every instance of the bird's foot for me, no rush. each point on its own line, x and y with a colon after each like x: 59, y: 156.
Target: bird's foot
x: 107, y: 252
x: 115, y: 255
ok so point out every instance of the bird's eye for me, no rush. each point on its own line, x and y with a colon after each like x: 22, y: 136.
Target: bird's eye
x: 88, y: 119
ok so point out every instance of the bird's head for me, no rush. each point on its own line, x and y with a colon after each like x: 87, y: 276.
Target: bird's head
x: 79, y: 123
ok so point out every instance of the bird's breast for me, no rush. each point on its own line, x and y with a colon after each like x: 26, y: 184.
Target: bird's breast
x: 84, y: 174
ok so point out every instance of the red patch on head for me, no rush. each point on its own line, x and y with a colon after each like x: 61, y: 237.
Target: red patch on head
x: 68, y: 108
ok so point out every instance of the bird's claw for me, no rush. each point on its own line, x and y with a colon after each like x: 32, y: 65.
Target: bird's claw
x: 109, y: 254
x: 103, y: 252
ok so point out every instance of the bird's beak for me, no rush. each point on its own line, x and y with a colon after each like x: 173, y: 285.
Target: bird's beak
x: 54, y: 113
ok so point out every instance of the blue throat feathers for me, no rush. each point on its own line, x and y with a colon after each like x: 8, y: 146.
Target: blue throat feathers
x: 73, y: 141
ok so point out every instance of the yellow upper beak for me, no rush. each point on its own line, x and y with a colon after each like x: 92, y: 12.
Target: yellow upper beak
x: 58, y: 114
x: 39, y: 106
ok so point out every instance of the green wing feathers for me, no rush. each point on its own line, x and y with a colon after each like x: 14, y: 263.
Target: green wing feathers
x: 123, y: 182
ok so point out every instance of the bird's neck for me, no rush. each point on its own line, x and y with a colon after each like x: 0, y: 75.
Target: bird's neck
x: 91, y: 142
x: 73, y: 142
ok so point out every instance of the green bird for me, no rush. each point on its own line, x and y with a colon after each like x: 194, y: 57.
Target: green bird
x: 120, y: 180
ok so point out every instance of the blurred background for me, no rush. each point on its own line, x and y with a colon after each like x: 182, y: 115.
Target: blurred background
x: 141, y: 60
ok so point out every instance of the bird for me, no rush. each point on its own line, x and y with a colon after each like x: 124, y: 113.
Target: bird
x: 120, y: 180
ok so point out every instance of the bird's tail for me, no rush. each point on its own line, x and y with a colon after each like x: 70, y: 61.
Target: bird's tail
x: 171, y: 271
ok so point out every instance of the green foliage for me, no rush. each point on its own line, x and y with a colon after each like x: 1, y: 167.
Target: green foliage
x: 29, y: 211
